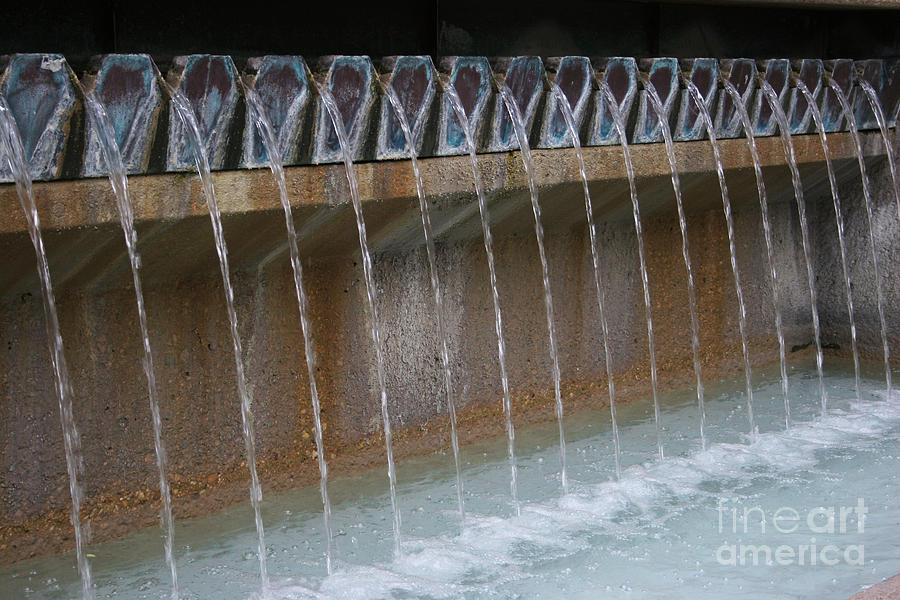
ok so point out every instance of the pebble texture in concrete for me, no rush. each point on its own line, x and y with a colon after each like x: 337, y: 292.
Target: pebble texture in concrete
x: 889, y: 589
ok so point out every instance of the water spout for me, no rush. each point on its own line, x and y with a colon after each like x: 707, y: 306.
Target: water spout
x: 518, y: 124
x: 619, y: 121
x: 785, y: 130
x: 459, y: 110
x: 767, y: 234
x: 337, y: 122
x: 870, y: 217
x: 839, y: 223
x: 13, y: 154
x: 732, y: 252
x: 685, y: 252
x: 883, y: 127
x: 258, y: 114
x: 185, y: 113
x: 119, y: 181
x: 391, y: 95
x: 563, y: 103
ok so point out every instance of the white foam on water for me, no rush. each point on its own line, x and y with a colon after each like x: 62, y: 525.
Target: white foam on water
x: 654, y: 533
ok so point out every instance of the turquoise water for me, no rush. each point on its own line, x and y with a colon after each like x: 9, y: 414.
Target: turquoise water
x: 671, y: 529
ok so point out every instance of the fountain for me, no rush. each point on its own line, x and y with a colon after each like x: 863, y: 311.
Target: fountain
x: 346, y: 149
x: 464, y: 122
x: 181, y: 106
x: 453, y: 173
x: 645, y: 283
x: 770, y: 250
x: 697, y: 98
x: 409, y: 137
x: 268, y: 137
x: 518, y: 124
x: 16, y: 159
x: 119, y: 182
x: 569, y: 117
x: 867, y: 201
x: 661, y: 113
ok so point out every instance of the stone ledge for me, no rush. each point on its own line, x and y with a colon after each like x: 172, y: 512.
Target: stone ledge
x: 79, y: 203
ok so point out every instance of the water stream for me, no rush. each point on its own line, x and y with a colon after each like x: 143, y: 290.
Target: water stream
x: 875, y: 103
x: 118, y: 179
x: 685, y: 251
x: 785, y: 130
x: 619, y: 121
x: 839, y: 221
x: 870, y: 217
x: 391, y: 95
x: 463, y: 119
x: 182, y: 108
x: 732, y: 253
x: 566, y: 110
x: 337, y: 122
x: 650, y: 532
x: 13, y: 153
x: 258, y: 115
x: 770, y: 245
x: 515, y: 116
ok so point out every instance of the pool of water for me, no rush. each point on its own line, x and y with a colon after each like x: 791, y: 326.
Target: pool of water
x: 809, y: 513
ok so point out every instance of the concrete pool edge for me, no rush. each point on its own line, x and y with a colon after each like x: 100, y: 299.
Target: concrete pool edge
x: 889, y: 589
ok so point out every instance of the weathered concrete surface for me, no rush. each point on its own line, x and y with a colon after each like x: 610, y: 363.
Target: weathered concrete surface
x: 889, y: 589
x: 832, y: 290
x: 193, y: 354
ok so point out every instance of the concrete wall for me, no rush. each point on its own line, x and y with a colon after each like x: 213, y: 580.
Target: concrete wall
x: 195, y: 365
x: 832, y: 289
